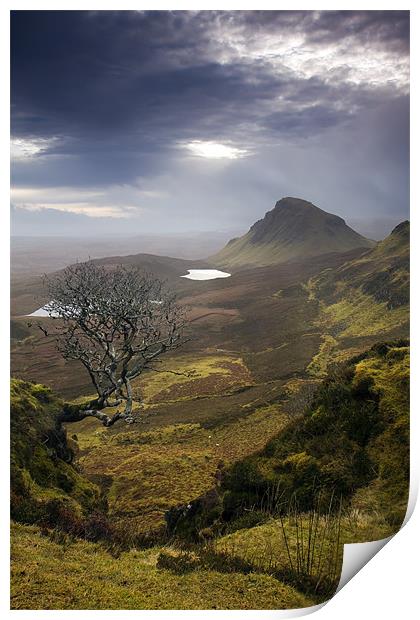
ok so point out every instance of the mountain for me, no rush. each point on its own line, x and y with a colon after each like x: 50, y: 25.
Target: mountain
x: 294, y: 229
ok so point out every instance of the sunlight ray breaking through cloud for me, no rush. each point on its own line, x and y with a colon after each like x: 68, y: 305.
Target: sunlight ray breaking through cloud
x: 214, y: 150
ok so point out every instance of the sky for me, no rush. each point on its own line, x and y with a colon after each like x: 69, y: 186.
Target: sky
x: 140, y: 122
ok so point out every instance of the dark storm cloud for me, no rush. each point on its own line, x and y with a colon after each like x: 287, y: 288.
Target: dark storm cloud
x: 390, y: 29
x: 105, y: 99
x: 304, y: 122
x: 78, y: 71
x: 387, y: 28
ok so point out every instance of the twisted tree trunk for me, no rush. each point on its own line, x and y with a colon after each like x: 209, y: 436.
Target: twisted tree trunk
x: 92, y: 409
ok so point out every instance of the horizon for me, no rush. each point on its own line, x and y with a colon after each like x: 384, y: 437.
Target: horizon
x: 184, y: 233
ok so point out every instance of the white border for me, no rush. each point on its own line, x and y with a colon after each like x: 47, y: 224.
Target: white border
x: 387, y: 586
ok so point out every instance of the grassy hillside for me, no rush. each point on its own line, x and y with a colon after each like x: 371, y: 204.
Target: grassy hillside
x: 94, y: 579
x: 362, y: 301
x: 353, y: 440
x: 294, y: 229
x: 351, y: 446
x: 42, y: 473
x: 142, y: 472
x: 382, y: 273
x: 190, y: 426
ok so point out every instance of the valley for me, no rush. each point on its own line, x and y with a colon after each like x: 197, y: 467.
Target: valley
x: 261, y: 345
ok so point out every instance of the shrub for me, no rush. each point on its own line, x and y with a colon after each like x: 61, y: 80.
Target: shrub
x: 354, y: 432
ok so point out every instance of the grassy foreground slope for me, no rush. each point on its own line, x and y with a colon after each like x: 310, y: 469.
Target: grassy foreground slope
x: 143, y: 472
x: 80, y: 575
x: 54, y: 568
x: 351, y: 446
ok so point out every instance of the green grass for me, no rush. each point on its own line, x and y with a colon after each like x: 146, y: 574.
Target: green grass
x: 195, y: 376
x: 352, y: 441
x: 319, y: 363
x: 362, y: 301
x: 96, y: 580
x: 153, y: 470
x: 41, y: 456
x: 159, y: 463
x: 360, y: 315
x: 390, y: 375
x: 146, y: 470
x: 274, y: 546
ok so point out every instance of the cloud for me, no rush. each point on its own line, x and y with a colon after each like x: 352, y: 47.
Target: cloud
x: 80, y: 208
x: 184, y: 72
x: 22, y: 149
x: 190, y: 118
x: 347, y: 47
x: 112, y: 202
x: 214, y: 150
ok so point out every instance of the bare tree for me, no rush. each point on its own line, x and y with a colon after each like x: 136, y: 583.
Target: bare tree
x: 117, y: 322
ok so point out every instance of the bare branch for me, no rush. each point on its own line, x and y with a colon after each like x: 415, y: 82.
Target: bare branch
x: 116, y: 322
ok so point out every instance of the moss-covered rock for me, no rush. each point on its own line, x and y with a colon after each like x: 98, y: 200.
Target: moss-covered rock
x: 41, y: 457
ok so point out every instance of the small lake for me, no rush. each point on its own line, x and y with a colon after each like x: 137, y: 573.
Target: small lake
x: 205, y: 274
x: 193, y: 274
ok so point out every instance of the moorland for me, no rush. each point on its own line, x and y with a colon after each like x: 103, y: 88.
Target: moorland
x: 276, y: 434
